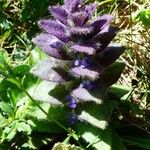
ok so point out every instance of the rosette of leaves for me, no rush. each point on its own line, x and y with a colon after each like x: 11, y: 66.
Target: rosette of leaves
x: 82, y: 63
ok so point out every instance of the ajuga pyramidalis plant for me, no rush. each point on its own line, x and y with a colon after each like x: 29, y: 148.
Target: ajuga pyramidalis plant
x: 82, y: 61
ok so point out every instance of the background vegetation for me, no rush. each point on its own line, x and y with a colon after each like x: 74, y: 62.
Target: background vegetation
x: 18, y: 115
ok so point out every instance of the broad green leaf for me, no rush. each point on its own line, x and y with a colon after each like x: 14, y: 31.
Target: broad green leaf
x: 41, y: 123
x: 5, y: 55
x: 21, y: 70
x: 96, y: 115
x: 119, y: 90
x: 142, y: 142
x: 99, y: 139
x: 111, y: 74
x: 61, y: 146
x: 35, y: 56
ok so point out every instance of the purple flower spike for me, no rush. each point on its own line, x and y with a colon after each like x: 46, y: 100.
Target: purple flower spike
x: 80, y: 47
x: 72, y: 118
x: 89, y: 85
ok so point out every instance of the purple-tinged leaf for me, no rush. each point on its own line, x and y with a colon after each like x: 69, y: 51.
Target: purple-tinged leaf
x: 90, y: 8
x: 72, y: 5
x: 51, y: 26
x: 53, y: 70
x: 84, y: 95
x: 106, y: 35
x: 79, y: 18
x: 90, y: 73
x: 110, y: 55
x: 83, y: 49
x: 100, y: 22
x: 48, y: 44
x: 111, y: 74
x: 41, y: 93
x: 54, y: 28
x: 81, y: 31
x: 59, y: 13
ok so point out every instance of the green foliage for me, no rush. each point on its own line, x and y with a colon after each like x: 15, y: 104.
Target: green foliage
x: 104, y: 121
x: 144, y: 16
x: 61, y: 146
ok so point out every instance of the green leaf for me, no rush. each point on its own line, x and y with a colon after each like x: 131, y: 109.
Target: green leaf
x: 5, y: 66
x: 10, y: 131
x: 96, y: 115
x: 61, y: 146
x: 119, y: 90
x: 99, y: 139
x: 111, y: 74
x: 144, y: 16
x: 21, y: 70
x: 5, y: 107
x: 41, y: 123
x: 142, y: 142
x: 24, y: 127
x: 35, y: 56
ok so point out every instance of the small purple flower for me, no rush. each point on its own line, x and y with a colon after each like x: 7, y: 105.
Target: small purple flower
x: 89, y: 85
x: 72, y: 102
x: 86, y: 62
x: 78, y: 62
x: 56, y: 45
x: 72, y: 118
